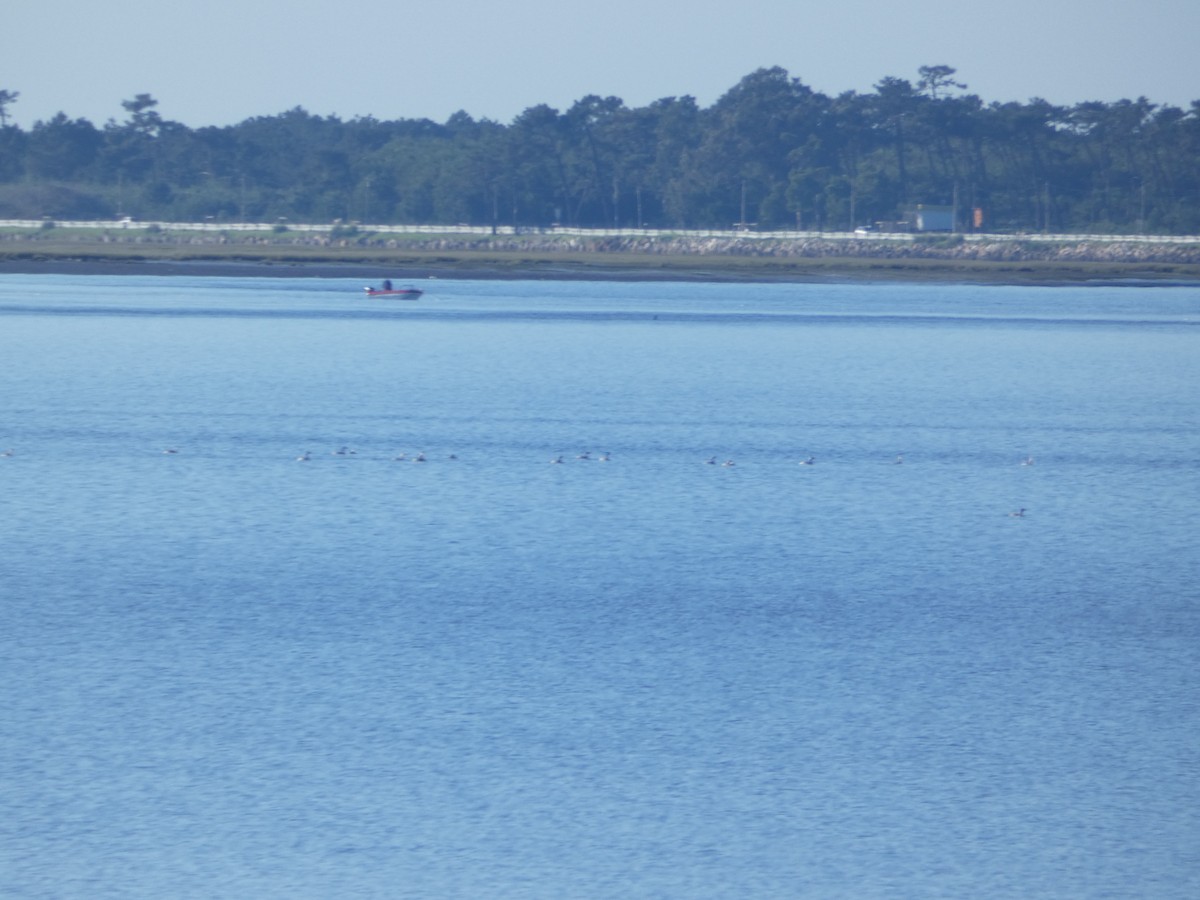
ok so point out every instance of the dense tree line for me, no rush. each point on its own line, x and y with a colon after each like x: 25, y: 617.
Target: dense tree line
x: 771, y: 152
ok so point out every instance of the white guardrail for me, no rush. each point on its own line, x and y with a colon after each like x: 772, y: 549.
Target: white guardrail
x: 599, y: 232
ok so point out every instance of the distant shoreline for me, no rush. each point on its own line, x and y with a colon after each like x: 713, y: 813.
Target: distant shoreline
x: 106, y: 254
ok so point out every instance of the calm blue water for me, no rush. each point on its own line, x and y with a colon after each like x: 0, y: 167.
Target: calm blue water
x: 226, y: 672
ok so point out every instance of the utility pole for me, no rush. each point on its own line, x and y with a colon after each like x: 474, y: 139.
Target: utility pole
x: 742, y: 224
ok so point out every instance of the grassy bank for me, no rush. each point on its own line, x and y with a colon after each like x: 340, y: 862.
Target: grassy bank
x: 163, y: 252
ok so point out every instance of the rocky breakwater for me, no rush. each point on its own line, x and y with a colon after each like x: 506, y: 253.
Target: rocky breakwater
x: 167, y: 241
x: 947, y: 248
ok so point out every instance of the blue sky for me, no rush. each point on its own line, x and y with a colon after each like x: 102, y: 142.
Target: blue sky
x: 222, y: 61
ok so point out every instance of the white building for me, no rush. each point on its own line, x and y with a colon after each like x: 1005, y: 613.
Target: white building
x: 931, y: 218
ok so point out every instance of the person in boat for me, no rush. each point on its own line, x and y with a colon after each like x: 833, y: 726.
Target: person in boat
x: 387, y: 284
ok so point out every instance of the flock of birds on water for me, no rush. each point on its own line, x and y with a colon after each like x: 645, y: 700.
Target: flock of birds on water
x: 558, y: 459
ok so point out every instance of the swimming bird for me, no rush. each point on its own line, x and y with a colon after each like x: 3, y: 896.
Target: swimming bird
x: 729, y: 462
x: 1018, y: 514
x: 420, y: 457
x: 711, y: 461
x: 170, y: 451
x: 1027, y: 461
x: 7, y: 453
x: 304, y: 457
x: 556, y: 459
x: 584, y: 455
x: 899, y: 459
x: 605, y: 456
x: 808, y: 462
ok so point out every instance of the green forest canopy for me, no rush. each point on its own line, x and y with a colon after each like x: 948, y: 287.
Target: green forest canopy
x: 771, y: 151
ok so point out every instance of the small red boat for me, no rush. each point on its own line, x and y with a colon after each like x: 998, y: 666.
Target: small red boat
x: 408, y: 293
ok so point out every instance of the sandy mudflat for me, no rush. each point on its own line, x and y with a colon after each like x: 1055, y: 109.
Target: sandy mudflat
x: 414, y: 265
